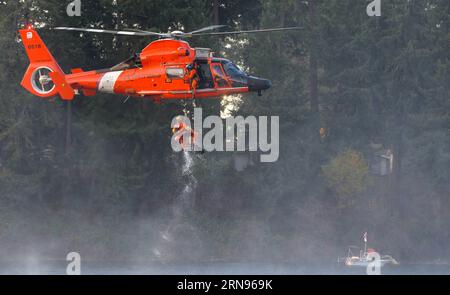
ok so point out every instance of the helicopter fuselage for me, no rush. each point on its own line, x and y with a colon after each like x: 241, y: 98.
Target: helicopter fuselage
x: 166, y: 69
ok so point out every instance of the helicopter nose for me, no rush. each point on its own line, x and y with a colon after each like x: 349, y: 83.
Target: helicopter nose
x: 258, y: 84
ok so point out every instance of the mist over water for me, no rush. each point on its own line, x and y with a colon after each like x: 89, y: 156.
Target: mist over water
x: 170, y: 242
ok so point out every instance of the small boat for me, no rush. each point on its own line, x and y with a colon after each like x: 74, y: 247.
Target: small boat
x: 364, y: 257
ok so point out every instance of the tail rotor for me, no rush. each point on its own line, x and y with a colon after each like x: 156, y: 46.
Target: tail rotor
x: 43, y: 77
x: 41, y: 81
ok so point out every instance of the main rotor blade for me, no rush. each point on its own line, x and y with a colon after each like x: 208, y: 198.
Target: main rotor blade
x: 125, y: 32
x: 210, y: 28
x: 249, y: 31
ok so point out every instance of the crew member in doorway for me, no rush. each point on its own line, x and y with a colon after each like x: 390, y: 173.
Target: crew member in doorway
x: 193, y: 78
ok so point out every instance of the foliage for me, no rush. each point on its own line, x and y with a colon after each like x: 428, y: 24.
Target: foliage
x: 347, y: 175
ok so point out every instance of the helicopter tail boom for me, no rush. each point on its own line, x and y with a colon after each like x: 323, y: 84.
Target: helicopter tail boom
x: 44, y: 76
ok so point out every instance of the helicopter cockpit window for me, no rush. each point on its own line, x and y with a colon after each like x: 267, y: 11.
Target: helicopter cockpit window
x: 220, y: 76
x: 238, y: 77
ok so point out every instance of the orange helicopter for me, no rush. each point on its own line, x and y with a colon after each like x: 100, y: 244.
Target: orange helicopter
x: 167, y: 69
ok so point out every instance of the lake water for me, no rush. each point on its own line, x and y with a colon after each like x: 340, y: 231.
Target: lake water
x: 97, y: 268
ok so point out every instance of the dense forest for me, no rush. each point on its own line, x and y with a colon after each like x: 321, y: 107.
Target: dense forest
x: 98, y: 175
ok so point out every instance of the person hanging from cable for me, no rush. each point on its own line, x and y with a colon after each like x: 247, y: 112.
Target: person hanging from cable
x: 184, y: 134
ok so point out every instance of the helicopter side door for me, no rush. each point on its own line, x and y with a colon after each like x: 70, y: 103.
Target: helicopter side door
x: 220, y: 79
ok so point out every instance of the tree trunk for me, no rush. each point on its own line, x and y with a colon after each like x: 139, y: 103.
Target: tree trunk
x: 313, y: 76
x: 216, y: 15
x: 68, y: 146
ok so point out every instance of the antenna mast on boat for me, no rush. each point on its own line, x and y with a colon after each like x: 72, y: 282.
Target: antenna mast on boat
x: 365, y: 242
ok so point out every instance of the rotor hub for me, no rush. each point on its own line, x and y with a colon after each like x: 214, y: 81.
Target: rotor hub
x: 44, y: 80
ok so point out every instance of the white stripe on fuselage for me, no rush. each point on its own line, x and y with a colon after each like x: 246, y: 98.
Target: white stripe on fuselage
x: 108, y: 81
